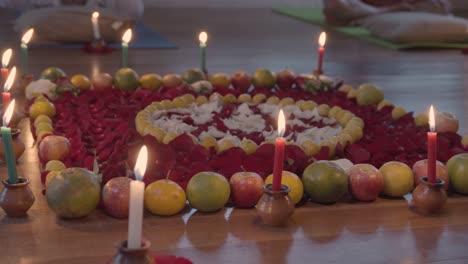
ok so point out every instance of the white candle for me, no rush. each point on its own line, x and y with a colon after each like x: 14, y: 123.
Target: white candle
x: 94, y: 19
x: 137, y: 189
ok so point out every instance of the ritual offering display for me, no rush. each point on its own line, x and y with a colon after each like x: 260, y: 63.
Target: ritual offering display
x: 221, y: 133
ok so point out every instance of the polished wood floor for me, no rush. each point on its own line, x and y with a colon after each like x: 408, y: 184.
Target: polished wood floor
x: 385, y: 231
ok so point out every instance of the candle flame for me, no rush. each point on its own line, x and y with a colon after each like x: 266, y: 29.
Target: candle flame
x: 27, y: 36
x: 431, y: 119
x: 203, y: 37
x: 127, y: 36
x: 10, y: 80
x: 281, y: 123
x: 140, y: 166
x: 6, y: 57
x: 8, y: 113
x: 322, y: 39
x: 95, y: 15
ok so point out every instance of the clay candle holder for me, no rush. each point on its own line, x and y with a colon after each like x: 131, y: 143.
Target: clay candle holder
x: 133, y: 256
x: 16, y: 199
x: 275, y: 207
x: 429, y: 198
x: 97, y: 46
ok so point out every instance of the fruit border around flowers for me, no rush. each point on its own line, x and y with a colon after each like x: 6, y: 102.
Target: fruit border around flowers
x: 98, y: 118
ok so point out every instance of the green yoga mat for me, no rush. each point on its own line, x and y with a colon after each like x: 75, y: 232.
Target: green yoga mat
x: 315, y: 16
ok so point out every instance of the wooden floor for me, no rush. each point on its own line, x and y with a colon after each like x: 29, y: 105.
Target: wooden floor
x: 382, y: 232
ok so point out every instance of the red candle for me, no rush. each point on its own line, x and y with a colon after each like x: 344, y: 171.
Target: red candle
x: 431, y: 148
x: 280, y: 143
x: 6, y: 96
x: 4, y: 72
x: 321, y: 51
x: 5, y: 61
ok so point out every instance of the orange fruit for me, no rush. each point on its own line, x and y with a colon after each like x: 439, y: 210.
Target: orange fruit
x: 151, y: 81
x: 293, y: 182
x: 164, y: 197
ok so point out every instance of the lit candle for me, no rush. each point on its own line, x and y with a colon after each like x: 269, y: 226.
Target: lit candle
x: 94, y: 20
x: 24, y: 50
x: 127, y: 36
x: 431, y: 148
x: 321, y: 50
x: 8, y: 145
x: 5, y: 61
x: 6, y: 96
x: 203, y: 37
x: 137, y: 189
x: 280, y: 142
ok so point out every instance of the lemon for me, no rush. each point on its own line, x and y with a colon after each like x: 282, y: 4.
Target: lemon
x: 169, y: 137
x: 164, y: 197
x: 368, y: 94
x: 209, y: 142
x: 229, y: 99
x: 286, y: 101
x: 273, y: 100
x: 421, y: 120
x: 201, y: 99
x: 308, y: 105
x: 44, y: 127
x: 398, y: 112
x: 178, y: 102
x: 41, y: 108
x: 54, y: 165
x: 323, y: 109
x: 188, y: 98
x: 81, y: 82
x: 151, y: 81
x: 42, y: 119
x: 225, y: 144
x: 293, y: 182
x: 383, y: 103
x: 248, y: 146
x: 244, y: 98
x: 310, y: 148
x: 258, y: 98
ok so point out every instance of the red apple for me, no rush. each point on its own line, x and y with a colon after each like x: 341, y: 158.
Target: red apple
x: 420, y: 170
x: 241, y: 81
x: 54, y: 148
x: 102, y: 81
x: 115, y: 196
x: 366, y: 182
x: 285, y: 79
x: 246, y: 189
x: 446, y: 122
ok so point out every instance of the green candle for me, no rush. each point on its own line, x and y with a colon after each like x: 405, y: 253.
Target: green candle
x: 24, y: 58
x: 203, y: 37
x: 8, y: 145
x: 127, y: 36
x: 24, y: 51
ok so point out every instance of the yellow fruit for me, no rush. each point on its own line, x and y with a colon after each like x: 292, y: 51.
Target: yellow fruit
x: 286, y: 101
x: 178, y: 102
x: 293, y: 182
x: 273, y: 100
x: 41, y: 135
x: 368, y: 94
x: 323, y: 109
x: 357, y: 121
x: 156, y: 132
x: 352, y: 93
x: 258, y: 98
x: 248, y: 146
x: 164, y: 197
x: 201, y: 99
x: 41, y: 108
x: 308, y: 106
x: 54, y: 165
x: 398, y: 112
x: 346, y: 88
x: 421, y: 120
x: 344, y: 139
x: 383, y: 103
x: 354, y: 131
x: 219, y: 80
x: 209, y: 142
x: 333, y: 111
x: 188, y: 98
x: 229, y: 99
x: 225, y: 144
x: 40, y: 98
x: 169, y: 137
x: 464, y: 141
x: 44, y: 127
x: 151, y: 81
x: 42, y: 119
x: 345, y: 118
x: 216, y: 97
x: 81, y: 82
x: 49, y: 176
x: 167, y: 104
x: 310, y: 148
x: 244, y: 98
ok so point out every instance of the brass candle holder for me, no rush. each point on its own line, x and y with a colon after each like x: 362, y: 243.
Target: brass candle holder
x: 16, y: 199
x: 275, y: 207
x: 141, y: 255
x: 429, y: 198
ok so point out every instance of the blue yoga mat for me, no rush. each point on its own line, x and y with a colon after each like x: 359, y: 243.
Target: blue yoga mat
x: 143, y: 38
